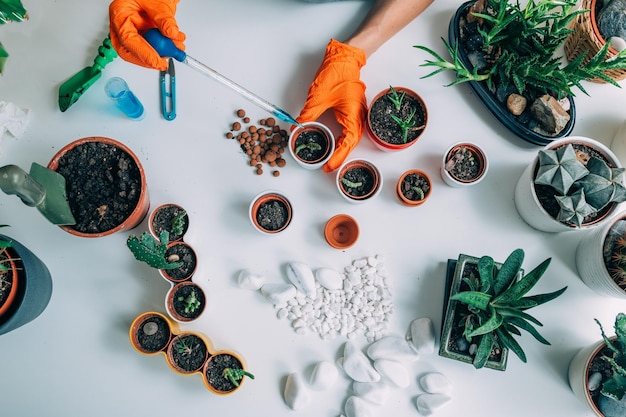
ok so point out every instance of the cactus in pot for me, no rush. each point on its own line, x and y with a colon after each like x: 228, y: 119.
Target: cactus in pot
x: 615, y: 387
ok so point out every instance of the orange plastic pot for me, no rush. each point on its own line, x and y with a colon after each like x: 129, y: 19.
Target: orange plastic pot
x: 143, y: 203
x: 402, y: 189
x: 341, y: 231
x: 13, y: 272
x: 191, y: 340
x: 214, y: 368
x: 150, y: 344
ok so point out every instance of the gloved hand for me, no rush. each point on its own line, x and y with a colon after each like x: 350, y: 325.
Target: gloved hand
x: 129, y: 19
x: 338, y: 85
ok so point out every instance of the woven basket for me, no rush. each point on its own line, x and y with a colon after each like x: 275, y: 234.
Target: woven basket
x: 586, y: 37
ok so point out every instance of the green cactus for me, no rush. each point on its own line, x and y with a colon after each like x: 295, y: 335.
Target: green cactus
x: 496, y: 304
x: 3, y: 245
x: 615, y: 387
x: 147, y: 249
x: 560, y: 168
x: 178, y: 223
x: 603, y: 184
x: 235, y: 375
x: 616, y: 261
x: 191, y: 302
x: 574, y: 208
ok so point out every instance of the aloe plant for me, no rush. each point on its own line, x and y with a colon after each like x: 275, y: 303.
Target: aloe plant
x: 496, y: 302
x: 147, y: 249
x: 395, y: 98
x: 615, y: 387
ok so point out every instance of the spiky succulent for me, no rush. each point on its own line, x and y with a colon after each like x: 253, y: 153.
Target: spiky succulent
x: 559, y: 168
x: 235, y: 375
x: 147, y: 249
x: 615, y: 387
x: 497, y: 301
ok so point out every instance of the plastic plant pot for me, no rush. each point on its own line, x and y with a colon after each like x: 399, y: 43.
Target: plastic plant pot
x: 270, y: 212
x: 213, y: 372
x: 341, y: 231
x: 413, y: 188
x: 150, y: 333
x: 464, y: 164
x: 358, y: 180
x: 311, y: 146
x: 187, y: 353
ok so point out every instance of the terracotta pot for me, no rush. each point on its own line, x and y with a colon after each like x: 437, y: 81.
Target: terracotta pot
x: 180, y: 362
x: 362, y: 194
x: 10, y: 276
x: 189, y: 259
x: 341, y: 231
x: 212, y: 373
x: 166, y: 213
x: 325, y: 139
x: 404, y: 190
x: 154, y: 339
x: 447, y: 165
x: 172, y: 298
x: 420, y: 124
x: 143, y: 203
x: 280, y: 205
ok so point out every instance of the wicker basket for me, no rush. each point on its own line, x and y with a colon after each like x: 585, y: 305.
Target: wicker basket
x: 586, y: 37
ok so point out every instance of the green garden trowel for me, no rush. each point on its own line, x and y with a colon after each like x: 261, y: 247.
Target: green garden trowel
x: 42, y: 188
x: 71, y: 90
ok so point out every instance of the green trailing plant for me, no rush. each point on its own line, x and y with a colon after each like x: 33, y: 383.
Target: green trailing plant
x: 581, y: 189
x: 520, y: 46
x: 151, y: 251
x: 497, y: 302
x: 235, y: 375
x: 178, y: 223
x: 311, y: 146
x: 615, y: 387
x: 191, y: 302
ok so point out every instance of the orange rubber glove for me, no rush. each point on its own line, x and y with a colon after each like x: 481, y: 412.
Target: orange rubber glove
x: 338, y: 85
x: 130, y: 19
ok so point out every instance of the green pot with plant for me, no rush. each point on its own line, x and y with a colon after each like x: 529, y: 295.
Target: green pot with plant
x: 396, y: 118
x: 575, y: 183
x: 509, y: 55
x: 486, y: 307
x: 597, y: 373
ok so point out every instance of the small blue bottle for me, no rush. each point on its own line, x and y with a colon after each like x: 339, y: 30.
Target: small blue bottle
x: 118, y: 90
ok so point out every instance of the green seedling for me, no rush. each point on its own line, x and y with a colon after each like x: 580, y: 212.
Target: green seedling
x: 182, y: 347
x: 312, y: 146
x: 147, y: 249
x: 178, y: 223
x: 191, y: 302
x: 349, y: 183
x: 395, y: 98
x: 405, y: 124
x: 419, y: 192
x: 236, y: 375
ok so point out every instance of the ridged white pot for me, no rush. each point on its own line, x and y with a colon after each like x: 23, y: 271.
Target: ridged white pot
x: 578, y: 375
x: 527, y: 203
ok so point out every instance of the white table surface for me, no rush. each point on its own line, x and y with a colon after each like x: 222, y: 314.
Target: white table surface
x: 76, y: 359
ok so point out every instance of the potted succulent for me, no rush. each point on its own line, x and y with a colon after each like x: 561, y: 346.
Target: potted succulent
x: 184, y: 256
x: 508, y: 54
x: 270, y: 212
x: 486, y: 306
x: 601, y: 258
x: 413, y: 187
x: 106, y: 186
x: 170, y: 217
x: 311, y: 145
x: 341, y: 231
x: 223, y: 372
x: 464, y: 164
x: 396, y: 118
x: 25, y: 285
x: 358, y: 180
x: 575, y: 183
x: 185, y: 301
x: 150, y: 333
x: 597, y: 373
x: 187, y: 352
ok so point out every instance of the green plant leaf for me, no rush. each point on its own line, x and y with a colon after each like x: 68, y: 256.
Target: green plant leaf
x: 528, y: 281
x: 484, y: 351
x: 524, y: 325
x: 507, y: 340
x: 486, y: 267
x: 543, y: 298
x: 508, y: 271
x: 490, y: 325
x: 473, y: 299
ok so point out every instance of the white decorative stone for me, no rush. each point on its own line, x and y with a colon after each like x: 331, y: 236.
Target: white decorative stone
x: 429, y: 403
x: 278, y: 294
x: 329, y: 278
x: 392, y: 371
x: 296, y: 394
x: 594, y: 381
x: 324, y: 375
x: 358, y: 407
x: 435, y: 383
x: 617, y: 43
x: 392, y: 347
x: 301, y: 276
x: 248, y: 280
x: 421, y: 335
x: 357, y: 365
x: 374, y: 392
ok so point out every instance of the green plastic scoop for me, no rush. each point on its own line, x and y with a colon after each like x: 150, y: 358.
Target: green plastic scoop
x: 71, y: 90
x: 42, y: 188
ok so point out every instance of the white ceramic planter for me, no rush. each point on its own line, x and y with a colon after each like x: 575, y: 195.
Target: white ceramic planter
x: 378, y: 177
x: 578, y: 375
x: 268, y: 196
x: 320, y: 128
x: 528, y: 205
x: 481, y: 157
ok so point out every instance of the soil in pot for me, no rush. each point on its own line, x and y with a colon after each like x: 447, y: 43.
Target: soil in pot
x: 463, y: 165
x: 153, y: 334
x: 103, y: 185
x: 214, y: 373
x: 9, y: 288
x: 188, y: 352
x: 272, y: 215
x: 602, y: 367
x: 415, y: 187
x: 389, y: 130
x: 181, y: 252
x: 165, y: 218
x: 358, y: 181
x: 188, y: 301
x: 311, y: 145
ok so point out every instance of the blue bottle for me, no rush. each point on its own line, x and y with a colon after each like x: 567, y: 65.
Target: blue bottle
x: 118, y: 90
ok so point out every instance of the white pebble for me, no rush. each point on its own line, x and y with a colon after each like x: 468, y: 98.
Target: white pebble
x: 393, y: 371
x: 392, y: 347
x: 617, y: 43
x: 357, y: 407
x: 422, y: 335
x: 278, y: 294
x: 594, y: 381
x: 329, y: 278
x: 324, y: 375
x: 429, y: 403
x: 301, y: 276
x: 374, y: 392
x: 281, y: 313
x: 248, y: 280
x: 296, y: 394
x: 360, y: 263
x: 357, y: 366
x: 435, y: 383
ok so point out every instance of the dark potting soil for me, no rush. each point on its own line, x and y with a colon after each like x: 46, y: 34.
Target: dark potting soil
x: 181, y: 295
x: 600, y: 365
x: 272, y: 215
x: 189, y: 352
x: 215, y: 371
x: 463, y: 164
x: 156, y: 341
x: 361, y: 176
x: 103, y: 185
x: 186, y: 256
x: 411, y: 182
x: 311, y: 153
x: 164, y: 218
x: 386, y: 128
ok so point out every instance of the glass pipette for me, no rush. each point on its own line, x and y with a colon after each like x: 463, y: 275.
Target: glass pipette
x: 166, y: 48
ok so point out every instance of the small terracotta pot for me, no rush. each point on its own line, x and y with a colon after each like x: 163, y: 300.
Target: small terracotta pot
x: 189, y: 259
x: 171, y: 299
x: 378, y: 141
x: 143, y: 204
x: 167, y: 212
x: 214, y: 368
x: 341, y: 231
x: 319, y: 158
x: 150, y: 344
x: 262, y: 222
x: 403, y: 188
x: 446, y: 165
x: 190, y: 339
x: 11, y: 275
x: 344, y: 172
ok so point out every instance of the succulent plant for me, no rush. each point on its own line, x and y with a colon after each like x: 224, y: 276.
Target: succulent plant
x: 615, y: 387
x: 147, y: 249
x: 496, y: 303
x: 178, y: 223
x: 3, y: 245
x: 560, y: 168
x: 616, y: 264
x: 235, y: 375
x: 191, y: 302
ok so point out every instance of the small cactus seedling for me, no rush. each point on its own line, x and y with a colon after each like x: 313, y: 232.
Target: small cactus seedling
x: 178, y: 223
x: 617, y: 268
x: 311, y: 146
x: 191, y: 302
x: 350, y: 184
x: 560, y: 168
x: 235, y: 375
x: 147, y: 249
x: 615, y: 387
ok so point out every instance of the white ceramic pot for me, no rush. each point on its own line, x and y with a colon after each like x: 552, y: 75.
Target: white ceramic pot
x: 527, y: 203
x: 481, y: 159
x: 578, y: 375
x: 329, y: 149
x: 355, y: 163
